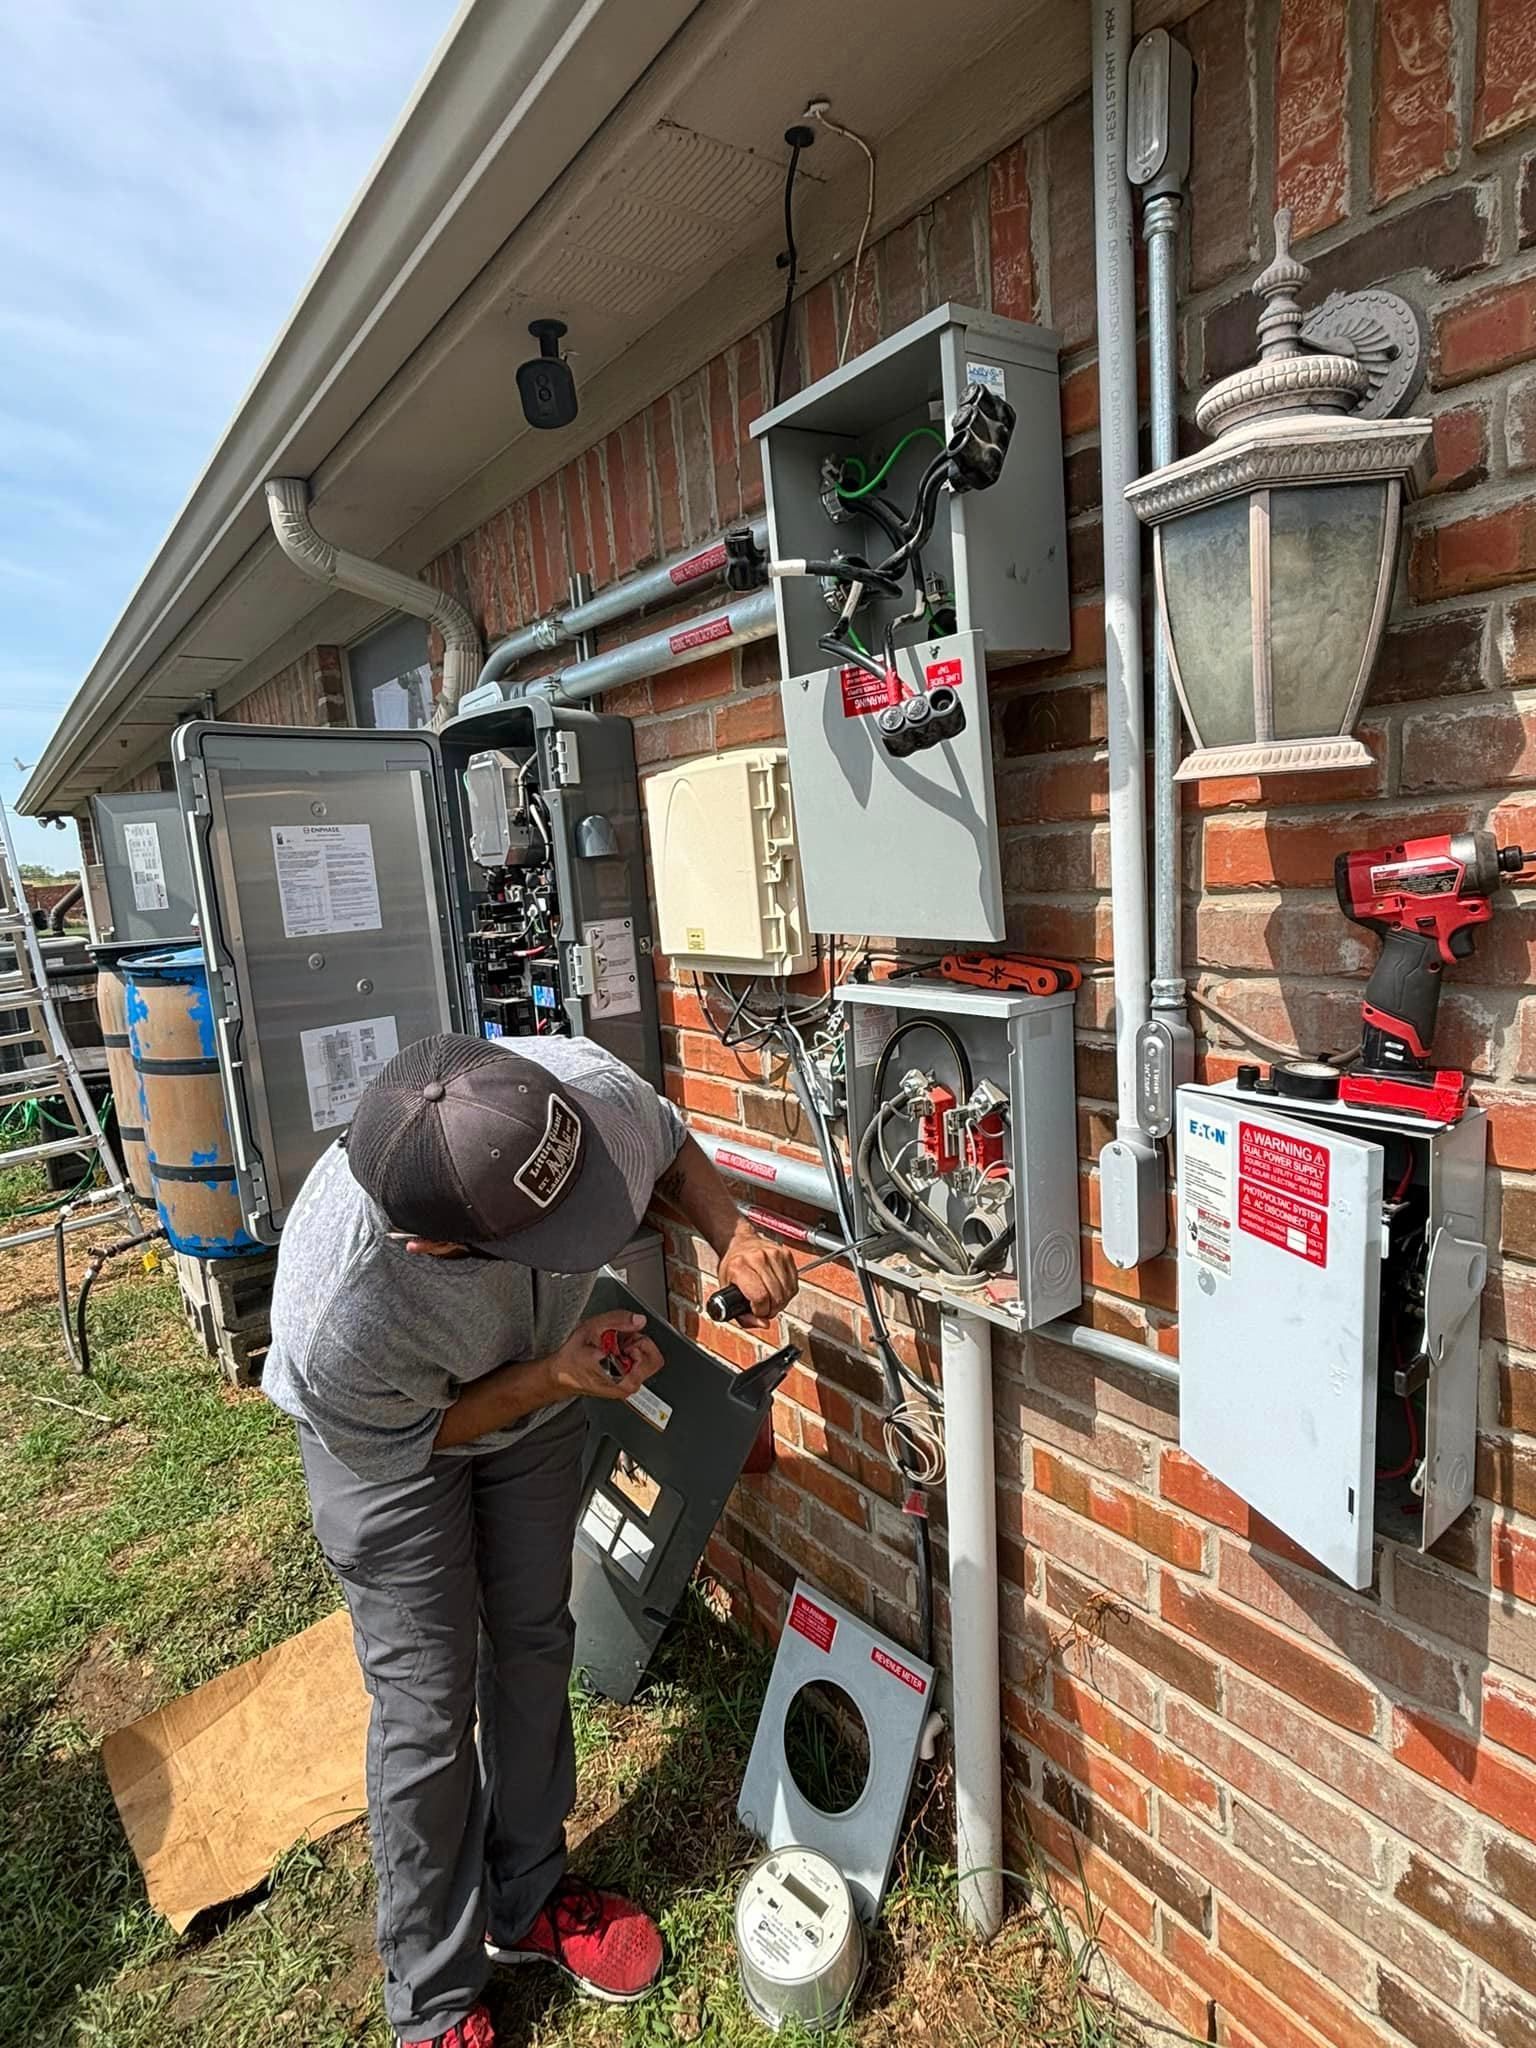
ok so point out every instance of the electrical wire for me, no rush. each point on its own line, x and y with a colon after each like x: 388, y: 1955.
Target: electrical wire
x: 791, y: 261
x: 863, y: 489
x: 922, y: 1241
x: 940, y: 1030
x: 1256, y: 1038
x: 817, y: 111
x: 914, y: 1442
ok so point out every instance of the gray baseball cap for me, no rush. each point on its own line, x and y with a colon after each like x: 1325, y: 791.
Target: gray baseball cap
x: 469, y: 1143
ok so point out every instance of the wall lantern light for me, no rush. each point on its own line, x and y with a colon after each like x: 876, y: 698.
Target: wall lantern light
x: 1276, y: 546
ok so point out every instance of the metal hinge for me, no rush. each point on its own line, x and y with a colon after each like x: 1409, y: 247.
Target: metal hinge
x: 580, y: 973
x: 564, y: 759
x: 201, y: 808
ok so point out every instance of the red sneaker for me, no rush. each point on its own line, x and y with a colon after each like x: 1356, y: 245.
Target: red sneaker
x: 610, y: 1948
x: 473, y: 2031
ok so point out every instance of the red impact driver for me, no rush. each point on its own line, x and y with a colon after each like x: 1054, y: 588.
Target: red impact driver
x: 1424, y: 897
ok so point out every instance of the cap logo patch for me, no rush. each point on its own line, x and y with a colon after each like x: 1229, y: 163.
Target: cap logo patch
x: 544, y: 1173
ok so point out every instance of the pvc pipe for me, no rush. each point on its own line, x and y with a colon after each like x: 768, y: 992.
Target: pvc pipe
x: 797, y: 1178
x: 973, y: 1606
x: 662, y: 584
x: 1160, y: 231
x: 320, y: 559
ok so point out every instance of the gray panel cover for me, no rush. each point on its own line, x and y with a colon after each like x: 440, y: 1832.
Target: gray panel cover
x: 141, y: 845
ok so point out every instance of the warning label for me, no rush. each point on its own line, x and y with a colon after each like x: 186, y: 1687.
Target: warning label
x: 897, y: 1670
x: 812, y: 1622
x: 1205, y: 1192
x: 700, y: 636
x: 738, y: 1163
x: 1280, y: 1219
x: 699, y: 565
x: 944, y: 674
x: 862, y: 692
x: 1291, y: 1163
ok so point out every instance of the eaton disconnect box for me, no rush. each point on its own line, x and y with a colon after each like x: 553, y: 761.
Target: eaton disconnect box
x: 1331, y: 1261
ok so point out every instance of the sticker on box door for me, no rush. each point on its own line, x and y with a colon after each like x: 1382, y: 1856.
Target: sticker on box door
x: 870, y: 1029
x: 1297, y: 1227
x: 813, y: 1622
x: 146, y: 865
x: 862, y: 692
x: 988, y: 374
x: 944, y: 675
x: 615, y: 969
x: 326, y: 879
x: 1205, y: 1192
x: 650, y: 1407
x: 897, y: 1669
x: 339, y: 1062
x: 1285, y: 1160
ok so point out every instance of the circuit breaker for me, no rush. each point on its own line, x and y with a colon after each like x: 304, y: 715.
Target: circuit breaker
x: 358, y: 890
x: 916, y: 530
x: 1331, y: 1261
x: 962, y: 1126
x: 727, y: 866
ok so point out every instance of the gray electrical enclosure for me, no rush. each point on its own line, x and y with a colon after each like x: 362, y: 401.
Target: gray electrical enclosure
x: 1331, y: 1261
x: 139, y: 889
x: 343, y: 915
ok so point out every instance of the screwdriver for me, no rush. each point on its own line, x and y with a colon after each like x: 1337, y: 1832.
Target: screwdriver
x: 729, y: 1304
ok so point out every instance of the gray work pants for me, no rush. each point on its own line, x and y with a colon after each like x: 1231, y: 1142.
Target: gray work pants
x: 458, y: 1583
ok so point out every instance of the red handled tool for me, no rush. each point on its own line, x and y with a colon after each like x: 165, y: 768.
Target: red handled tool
x: 1027, y: 973
x: 619, y: 1359
x: 1425, y: 897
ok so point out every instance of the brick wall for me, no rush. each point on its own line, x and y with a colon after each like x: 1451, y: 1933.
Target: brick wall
x: 1308, y: 1815
x: 309, y: 691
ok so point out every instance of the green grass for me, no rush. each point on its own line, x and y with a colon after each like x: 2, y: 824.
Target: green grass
x: 143, y: 1553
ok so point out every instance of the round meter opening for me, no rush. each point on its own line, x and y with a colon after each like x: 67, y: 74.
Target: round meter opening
x: 826, y: 1746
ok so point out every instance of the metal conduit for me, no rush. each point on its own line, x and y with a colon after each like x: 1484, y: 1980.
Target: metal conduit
x: 662, y: 584
x: 749, y: 618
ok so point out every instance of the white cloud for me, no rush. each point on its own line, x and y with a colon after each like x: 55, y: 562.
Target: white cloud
x: 170, y: 172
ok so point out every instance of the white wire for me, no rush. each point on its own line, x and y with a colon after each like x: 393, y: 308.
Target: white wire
x: 820, y: 114
x: 914, y: 1442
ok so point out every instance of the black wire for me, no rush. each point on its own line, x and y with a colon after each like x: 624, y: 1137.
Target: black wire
x: 792, y: 267
x: 843, y: 651
x: 957, y: 1052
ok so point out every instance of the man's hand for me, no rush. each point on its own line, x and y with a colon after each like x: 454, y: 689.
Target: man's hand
x: 579, y: 1368
x: 765, y: 1273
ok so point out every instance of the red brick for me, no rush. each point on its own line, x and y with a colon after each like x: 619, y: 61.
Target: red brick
x: 1506, y: 68
x: 957, y: 242
x: 1514, y: 1562
x: 1131, y: 1515
x: 719, y: 383
x: 750, y: 722
x: 1507, y: 2020
x: 1234, y: 1994
x: 1073, y: 301
x: 697, y: 682
x: 1503, y: 1791
x: 1509, y: 1715
x: 1461, y: 448
x: 821, y: 330
x: 1168, y: 1991
x: 668, y: 474
x: 551, y: 576
x: 1311, y: 113
x: 1478, y: 1926
x: 696, y: 1091
x: 673, y: 739
x: 1113, y: 1565
x: 1294, y: 1984
x: 1080, y: 402
x: 1416, y: 129
x: 830, y: 1487
x: 1462, y: 1612
x: 696, y: 458
x: 1189, y: 1485
x: 1526, y: 221
x: 1101, y: 1775
x: 1135, y: 1746
x: 1221, y: 166
x: 1474, y: 746
x: 1489, y: 331
x: 750, y: 371
x: 1150, y: 1648
x: 1014, y: 291
x: 1332, y: 1825
x: 1271, y: 1654
x: 1129, y: 1846
x: 1511, y: 1129
x: 1444, y: 655
x: 1052, y: 1836
x: 598, y: 517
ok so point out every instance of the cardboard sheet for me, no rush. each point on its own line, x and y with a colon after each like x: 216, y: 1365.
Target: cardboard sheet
x: 214, y: 1787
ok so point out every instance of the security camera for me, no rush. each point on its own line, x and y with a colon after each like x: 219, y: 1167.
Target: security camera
x: 545, y: 385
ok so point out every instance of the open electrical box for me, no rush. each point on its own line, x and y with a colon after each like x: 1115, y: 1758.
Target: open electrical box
x: 1331, y: 1261
x: 357, y: 890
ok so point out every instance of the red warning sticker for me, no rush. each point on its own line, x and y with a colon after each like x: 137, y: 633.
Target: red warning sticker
x: 862, y: 692
x: 1280, y: 1219
x: 700, y: 636
x: 949, y: 674
x: 737, y: 1162
x: 699, y: 565
x: 1295, y: 1165
x: 812, y: 1622
x: 888, y: 1663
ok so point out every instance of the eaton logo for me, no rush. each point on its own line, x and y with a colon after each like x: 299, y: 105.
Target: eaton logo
x: 1216, y: 1133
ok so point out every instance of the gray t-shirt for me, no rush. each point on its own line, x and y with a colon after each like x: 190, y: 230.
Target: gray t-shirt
x: 371, y: 1342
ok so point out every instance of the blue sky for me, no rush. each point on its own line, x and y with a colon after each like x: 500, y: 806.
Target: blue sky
x: 170, y: 171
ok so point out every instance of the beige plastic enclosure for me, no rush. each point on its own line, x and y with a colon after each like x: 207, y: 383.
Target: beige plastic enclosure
x: 727, y: 866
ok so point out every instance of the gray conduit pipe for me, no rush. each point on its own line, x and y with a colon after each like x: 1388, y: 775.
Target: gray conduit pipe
x: 662, y: 584
x: 324, y: 562
x: 746, y: 618
x: 1134, y: 1225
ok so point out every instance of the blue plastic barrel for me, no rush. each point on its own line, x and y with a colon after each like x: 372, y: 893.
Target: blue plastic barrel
x: 181, y: 1104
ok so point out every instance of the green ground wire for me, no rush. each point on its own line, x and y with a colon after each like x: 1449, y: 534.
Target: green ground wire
x: 863, y: 490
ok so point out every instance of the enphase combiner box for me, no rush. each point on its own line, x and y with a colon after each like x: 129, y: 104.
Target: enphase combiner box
x: 659, y: 1470
x: 138, y: 890
x: 1331, y: 1264
x: 727, y: 865
x: 360, y: 889
x: 905, y: 842
x: 990, y: 1154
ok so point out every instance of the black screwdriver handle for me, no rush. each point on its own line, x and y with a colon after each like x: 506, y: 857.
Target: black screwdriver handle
x: 726, y: 1305
x: 1404, y: 992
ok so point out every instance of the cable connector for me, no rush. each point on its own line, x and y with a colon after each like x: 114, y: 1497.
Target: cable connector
x: 746, y: 566
x: 978, y: 440
x: 916, y: 1503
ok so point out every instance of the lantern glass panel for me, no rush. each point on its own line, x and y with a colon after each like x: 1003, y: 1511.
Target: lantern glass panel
x: 1325, y: 549
x: 1208, y: 611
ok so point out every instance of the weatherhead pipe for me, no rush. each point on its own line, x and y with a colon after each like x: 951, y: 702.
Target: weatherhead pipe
x: 748, y: 618
x: 320, y: 559
x: 966, y: 1342
x: 663, y: 584
x: 1133, y: 1223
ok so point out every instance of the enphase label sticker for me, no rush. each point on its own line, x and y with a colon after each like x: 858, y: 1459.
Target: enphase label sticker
x: 813, y: 1622
x: 1292, y: 1164
x: 1299, y: 1228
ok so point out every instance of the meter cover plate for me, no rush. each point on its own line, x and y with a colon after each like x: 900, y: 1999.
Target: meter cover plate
x: 893, y: 1691
x: 1279, y: 1287
x: 320, y: 861
x: 659, y: 1470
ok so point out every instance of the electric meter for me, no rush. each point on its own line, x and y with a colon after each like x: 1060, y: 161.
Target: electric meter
x: 798, y: 1940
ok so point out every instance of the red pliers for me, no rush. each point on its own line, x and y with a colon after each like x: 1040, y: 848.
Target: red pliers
x: 619, y: 1359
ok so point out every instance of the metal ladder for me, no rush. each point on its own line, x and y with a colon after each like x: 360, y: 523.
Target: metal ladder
x: 54, y: 1078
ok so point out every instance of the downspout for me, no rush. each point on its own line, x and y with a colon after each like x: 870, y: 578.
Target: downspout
x: 1134, y: 1224
x: 64, y: 906
x: 321, y: 560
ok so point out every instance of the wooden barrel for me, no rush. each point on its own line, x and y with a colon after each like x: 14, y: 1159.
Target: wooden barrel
x: 181, y: 1104
x: 112, y: 1007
